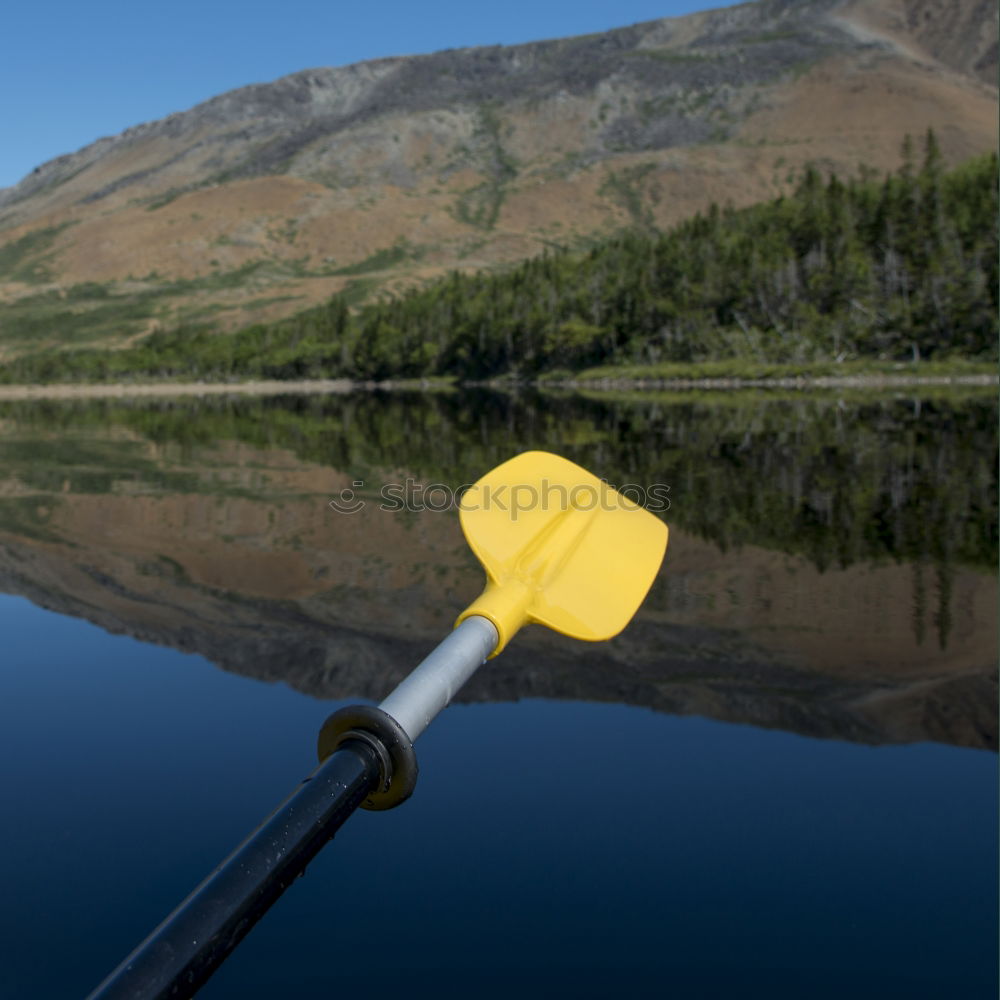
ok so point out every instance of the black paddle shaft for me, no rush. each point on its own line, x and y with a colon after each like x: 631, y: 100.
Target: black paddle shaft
x: 180, y: 955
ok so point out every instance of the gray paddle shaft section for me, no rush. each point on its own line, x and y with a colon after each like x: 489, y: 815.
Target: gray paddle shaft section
x: 437, y: 679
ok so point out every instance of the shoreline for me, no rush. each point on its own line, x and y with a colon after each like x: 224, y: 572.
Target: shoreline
x: 874, y: 381
x: 120, y: 390
x: 276, y: 387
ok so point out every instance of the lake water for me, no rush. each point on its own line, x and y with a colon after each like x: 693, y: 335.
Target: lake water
x: 779, y: 781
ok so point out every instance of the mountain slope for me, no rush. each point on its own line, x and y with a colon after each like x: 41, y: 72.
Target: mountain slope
x: 269, y: 198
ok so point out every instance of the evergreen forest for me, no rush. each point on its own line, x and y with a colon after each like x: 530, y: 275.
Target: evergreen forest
x: 901, y: 269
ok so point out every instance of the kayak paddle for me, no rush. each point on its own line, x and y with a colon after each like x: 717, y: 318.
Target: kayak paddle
x: 560, y: 548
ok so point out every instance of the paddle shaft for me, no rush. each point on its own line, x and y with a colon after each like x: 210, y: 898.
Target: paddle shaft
x: 437, y: 679
x: 183, y: 952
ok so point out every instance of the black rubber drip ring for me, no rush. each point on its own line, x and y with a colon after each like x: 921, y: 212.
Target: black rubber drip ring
x: 396, y: 783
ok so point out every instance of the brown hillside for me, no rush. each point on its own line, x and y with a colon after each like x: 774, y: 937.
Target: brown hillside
x: 373, y: 177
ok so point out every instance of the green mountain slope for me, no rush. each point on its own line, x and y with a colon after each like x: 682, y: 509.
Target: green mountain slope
x: 900, y: 268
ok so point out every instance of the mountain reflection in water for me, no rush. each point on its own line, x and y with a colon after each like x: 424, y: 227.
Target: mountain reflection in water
x: 831, y: 569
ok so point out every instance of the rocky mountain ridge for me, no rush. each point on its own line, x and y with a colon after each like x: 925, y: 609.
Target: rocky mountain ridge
x: 275, y: 127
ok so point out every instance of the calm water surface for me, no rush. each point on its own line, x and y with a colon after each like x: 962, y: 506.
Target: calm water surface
x: 779, y: 781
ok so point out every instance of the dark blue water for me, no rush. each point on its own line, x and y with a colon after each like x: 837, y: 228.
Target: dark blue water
x: 551, y: 849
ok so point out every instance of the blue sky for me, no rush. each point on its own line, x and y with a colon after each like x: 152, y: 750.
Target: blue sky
x: 72, y: 72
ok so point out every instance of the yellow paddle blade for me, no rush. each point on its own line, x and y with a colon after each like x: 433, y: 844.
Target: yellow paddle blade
x: 560, y: 547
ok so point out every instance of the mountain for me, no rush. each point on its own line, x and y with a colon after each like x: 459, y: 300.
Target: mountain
x: 381, y: 175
